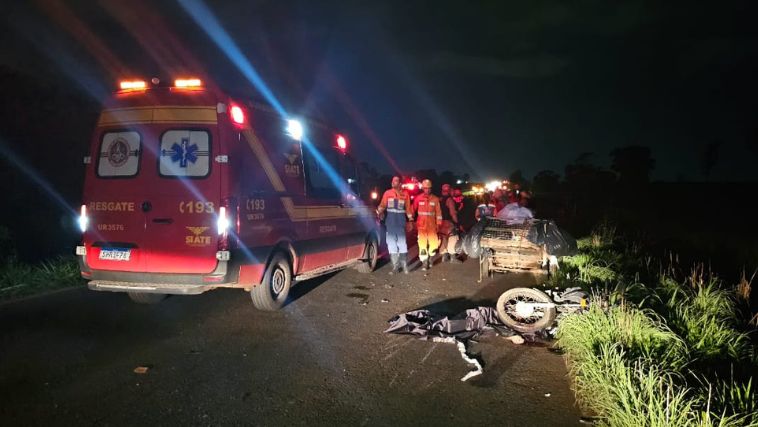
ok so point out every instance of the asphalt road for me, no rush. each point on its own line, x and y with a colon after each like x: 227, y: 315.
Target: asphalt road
x: 69, y: 359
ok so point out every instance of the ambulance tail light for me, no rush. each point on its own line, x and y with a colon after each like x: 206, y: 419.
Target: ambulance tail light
x: 132, y: 85
x: 83, y: 218
x: 227, y: 223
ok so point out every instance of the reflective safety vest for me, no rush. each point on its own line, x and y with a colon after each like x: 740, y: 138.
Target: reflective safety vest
x: 428, y: 210
x: 397, y: 204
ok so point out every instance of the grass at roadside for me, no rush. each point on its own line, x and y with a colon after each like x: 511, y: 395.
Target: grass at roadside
x: 671, y: 348
x: 18, y: 279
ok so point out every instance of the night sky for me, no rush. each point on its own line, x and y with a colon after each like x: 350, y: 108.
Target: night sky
x: 484, y: 88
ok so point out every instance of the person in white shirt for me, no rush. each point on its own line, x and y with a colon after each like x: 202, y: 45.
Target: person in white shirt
x: 516, y: 212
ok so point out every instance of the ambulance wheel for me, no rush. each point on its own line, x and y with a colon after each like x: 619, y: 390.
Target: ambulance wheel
x: 146, y: 298
x: 272, y: 293
x: 368, y: 264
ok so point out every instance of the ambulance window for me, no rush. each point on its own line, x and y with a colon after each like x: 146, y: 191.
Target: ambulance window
x: 323, y: 176
x: 119, y: 155
x: 185, y: 153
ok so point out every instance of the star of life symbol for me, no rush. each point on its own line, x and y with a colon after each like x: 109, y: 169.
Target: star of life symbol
x: 183, y: 153
x: 118, y: 152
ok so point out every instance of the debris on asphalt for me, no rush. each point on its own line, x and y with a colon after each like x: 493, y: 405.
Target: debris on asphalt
x: 466, y: 358
x: 547, y: 394
x: 141, y: 369
x: 460, y: 329
x: 385, y: 300
x: 464, y: 325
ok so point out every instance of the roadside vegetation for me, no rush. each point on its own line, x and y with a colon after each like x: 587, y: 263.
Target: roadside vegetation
x: 660, y: 345
x: 19, y: 279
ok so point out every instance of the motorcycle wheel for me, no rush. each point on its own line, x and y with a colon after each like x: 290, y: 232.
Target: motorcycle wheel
x: 516, y: 313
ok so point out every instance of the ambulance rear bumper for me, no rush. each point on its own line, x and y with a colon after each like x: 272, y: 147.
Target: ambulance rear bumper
x: 158, y: 283
x: 151, y: 288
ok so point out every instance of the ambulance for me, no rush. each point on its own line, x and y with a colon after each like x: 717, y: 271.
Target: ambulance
x: 188, y: 189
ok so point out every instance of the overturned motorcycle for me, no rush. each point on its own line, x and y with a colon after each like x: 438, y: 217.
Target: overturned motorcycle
x: 528, y: 310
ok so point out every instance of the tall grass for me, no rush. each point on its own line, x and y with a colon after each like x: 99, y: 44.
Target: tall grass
x: 656, y: 357
x: 17, y: 278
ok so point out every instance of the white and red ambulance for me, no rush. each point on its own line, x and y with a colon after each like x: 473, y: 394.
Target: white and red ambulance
x: 188, y: 190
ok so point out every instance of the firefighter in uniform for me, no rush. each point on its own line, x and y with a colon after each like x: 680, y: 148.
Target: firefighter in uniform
x: 396, y: 208
x: 450, y: 227
x: 427, y: 208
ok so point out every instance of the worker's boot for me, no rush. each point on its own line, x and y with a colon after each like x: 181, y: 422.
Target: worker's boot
x: 423, y: 257
x: 445, y: 257
x: 404, y: 263
x: 455, y: 260
x: 395, y: 260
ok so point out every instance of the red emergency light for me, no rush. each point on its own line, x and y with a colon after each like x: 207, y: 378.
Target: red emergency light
x: 237, y: 114
x: 411, y: 185
x: 341, y: 142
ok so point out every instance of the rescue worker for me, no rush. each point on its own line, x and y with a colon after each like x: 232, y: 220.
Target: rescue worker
x: 429, y: 219
x: 396, y: 208
x: 450, y: 226
x: 487, y: 208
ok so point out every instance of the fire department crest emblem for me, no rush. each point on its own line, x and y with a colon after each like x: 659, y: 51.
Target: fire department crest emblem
x: 197, y: 239
x: 118, y: 152
x: 197, y: 230
x: 292, y: 169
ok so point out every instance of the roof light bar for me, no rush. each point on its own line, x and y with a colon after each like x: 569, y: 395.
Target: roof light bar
x: 133, y: 85
x: 188, y: 83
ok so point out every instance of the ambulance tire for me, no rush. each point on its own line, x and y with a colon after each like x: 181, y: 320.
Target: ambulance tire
x: 146, y: 298
x: 372, y: 257
x: 272, y: 293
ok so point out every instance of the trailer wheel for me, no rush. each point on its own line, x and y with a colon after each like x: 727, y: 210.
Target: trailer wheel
x: 272, y: 293
x: 146, y: 298
x: 372, y: 257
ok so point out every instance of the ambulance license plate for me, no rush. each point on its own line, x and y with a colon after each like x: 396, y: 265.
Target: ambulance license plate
x: 114, y: 254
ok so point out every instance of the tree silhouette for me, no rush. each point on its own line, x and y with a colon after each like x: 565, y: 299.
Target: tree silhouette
x: 546, y: 181
x: 709, y: 157
x: 447, y: 177
x: 517, y: 177
x: 632, y: 164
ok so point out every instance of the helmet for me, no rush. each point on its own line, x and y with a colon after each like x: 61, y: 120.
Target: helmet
x: 426, y: 184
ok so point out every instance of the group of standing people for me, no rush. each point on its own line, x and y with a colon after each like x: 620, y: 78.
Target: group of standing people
x: 437, y: 223
x: 438, y: 220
